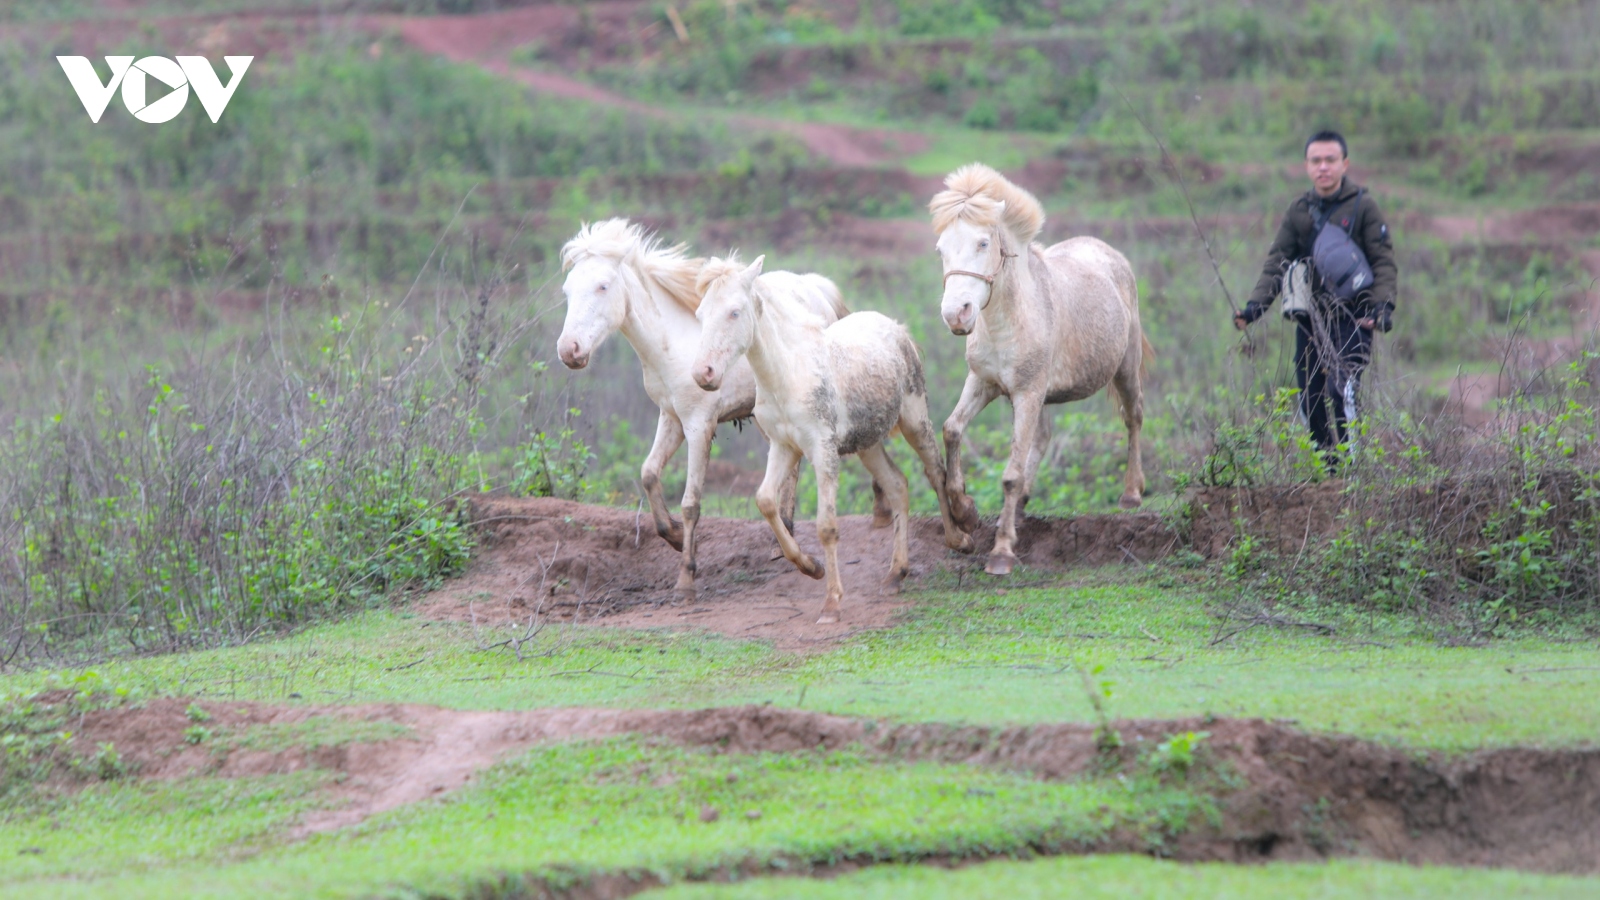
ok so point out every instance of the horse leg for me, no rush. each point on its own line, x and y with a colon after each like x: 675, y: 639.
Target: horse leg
x: 917, y: 428
x: 975, y: 395
x: 1041, y: 443
x: 669, y: 435
x: 1025, y: 421
x: 826, y: 463
x: 698, y: 436
x: 787, y: 496
x: 898, y: 495
x: 1130, y: 396
x: 781, y: 462
x: 882, y: 513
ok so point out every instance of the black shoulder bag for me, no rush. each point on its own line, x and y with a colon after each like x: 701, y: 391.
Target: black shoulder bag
x: 1340, y: 264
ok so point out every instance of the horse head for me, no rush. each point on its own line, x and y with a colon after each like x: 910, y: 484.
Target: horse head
x: 727, y: 316
x: 983, y: 222
x: 973, y: 258
x: 596, y: 288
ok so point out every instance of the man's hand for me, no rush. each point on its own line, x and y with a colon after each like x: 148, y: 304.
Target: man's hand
x: 1383, y: 320
x: 1240, y: 322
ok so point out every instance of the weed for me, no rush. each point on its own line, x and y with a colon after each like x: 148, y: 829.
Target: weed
x: 1176, y: 754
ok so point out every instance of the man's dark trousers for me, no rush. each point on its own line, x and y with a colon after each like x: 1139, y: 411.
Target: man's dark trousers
x: 1330, y: 379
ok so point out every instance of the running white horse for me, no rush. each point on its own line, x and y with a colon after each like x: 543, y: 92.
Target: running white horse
x: 1043, y: 325
x: 823, y: 391
x: 624, y: 280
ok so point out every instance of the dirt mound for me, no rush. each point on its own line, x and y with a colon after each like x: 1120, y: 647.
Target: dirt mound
x: 1306, y: 796
x: 437, y: 749
x: 1286, y: 517
x: 602, y: 565
x: 1282, y: 793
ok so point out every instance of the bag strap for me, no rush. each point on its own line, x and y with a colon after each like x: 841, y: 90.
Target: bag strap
x: 1320, y: 219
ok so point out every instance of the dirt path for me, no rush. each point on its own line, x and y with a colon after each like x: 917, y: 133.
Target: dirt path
x: 487, y: 40
x: 1294, y: 795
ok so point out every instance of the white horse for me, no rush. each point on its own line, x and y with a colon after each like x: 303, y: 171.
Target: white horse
x: 823, y: 391
x: 624, y: 280
x: 1043, y: 325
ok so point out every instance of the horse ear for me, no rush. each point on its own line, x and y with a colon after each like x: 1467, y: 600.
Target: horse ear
x: 754, y: 270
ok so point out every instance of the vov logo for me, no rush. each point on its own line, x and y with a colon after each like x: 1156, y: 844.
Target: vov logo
x: 187, y: 72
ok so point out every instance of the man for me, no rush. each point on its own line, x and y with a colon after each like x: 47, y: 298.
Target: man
x: 1333, y: 337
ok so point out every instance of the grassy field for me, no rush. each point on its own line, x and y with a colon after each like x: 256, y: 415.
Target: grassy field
x: 963, y: 657
x: 1137, y: 876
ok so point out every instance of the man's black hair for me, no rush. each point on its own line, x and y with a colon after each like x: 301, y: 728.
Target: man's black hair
x: 1321, y: 136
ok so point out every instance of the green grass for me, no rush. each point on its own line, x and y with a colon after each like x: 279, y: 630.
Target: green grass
x: 987, y: 657
x: 1140, y: 876
x: 314, y: 733
x: 974, y: 656
x: 963, y: 655
x: 571, y: 809
x: 120, y: 828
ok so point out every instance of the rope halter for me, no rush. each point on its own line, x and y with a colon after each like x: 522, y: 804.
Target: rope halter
x: 986, y: 279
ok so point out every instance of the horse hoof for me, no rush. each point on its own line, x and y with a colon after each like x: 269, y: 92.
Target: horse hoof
x: 1000, y: 565
x: 882, y: 520
x: 892, y: 582
x: 1130, y: 501
x: 828, y: 619
x: 960, y: 542
x: 811, y: 567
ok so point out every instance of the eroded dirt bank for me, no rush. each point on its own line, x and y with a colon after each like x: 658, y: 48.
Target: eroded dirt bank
x: 603, y: 565
x: 559, y: 560
x: 1282, y: 793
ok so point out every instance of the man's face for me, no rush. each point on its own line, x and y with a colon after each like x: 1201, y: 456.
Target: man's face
x: 1326, y: 165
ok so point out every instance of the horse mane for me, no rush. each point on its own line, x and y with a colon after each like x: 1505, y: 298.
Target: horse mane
x: 714, y: 270
x: 671, y: 268
x: 983, y: 197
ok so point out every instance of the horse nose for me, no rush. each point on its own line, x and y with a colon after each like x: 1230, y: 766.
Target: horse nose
x: 572, y: 355
x: 706, y: 377
x: 961, y: 321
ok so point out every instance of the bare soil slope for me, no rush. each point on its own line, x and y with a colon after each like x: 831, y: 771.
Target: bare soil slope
x: 604, y: 565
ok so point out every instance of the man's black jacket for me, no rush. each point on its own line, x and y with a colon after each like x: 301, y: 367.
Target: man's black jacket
x: 1298, y: 232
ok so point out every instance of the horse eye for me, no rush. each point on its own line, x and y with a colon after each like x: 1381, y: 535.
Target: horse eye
x: 983, y: 245
x: 601, y: 289
x: 734, y: 314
